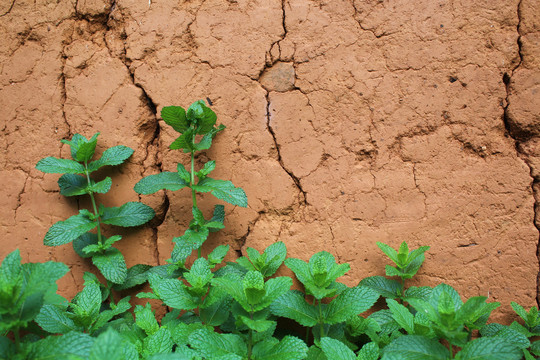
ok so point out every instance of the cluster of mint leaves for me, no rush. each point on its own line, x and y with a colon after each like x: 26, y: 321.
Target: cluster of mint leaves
x: 235, y: 310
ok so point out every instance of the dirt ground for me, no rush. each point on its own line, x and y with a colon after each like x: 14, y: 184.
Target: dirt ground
x: 348, y: 122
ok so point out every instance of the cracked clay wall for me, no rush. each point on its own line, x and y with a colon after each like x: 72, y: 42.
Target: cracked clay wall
x: 348, y: 122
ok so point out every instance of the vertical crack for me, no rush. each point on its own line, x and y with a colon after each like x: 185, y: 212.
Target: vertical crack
x: 280, y: 159
x: 519, y: 137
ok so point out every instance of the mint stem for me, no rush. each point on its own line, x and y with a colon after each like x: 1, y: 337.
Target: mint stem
x: 93, y: 204
x: 321, y: 320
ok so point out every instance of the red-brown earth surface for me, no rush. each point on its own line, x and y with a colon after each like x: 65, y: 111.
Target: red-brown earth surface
x: 348, y: 122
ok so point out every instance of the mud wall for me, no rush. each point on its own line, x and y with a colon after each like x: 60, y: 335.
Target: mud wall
x: 348, y: 122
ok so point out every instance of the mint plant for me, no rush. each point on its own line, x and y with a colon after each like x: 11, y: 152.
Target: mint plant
x: 199, y: 122
x: 76, y: 181
x: 24, y: 289
x: 407, y: 263
x: 325, y: 319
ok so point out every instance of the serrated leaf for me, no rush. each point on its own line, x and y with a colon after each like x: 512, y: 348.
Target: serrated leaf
x: 145, y: 319
x: 73, y: 345
x: 112, y: 265
x: 66, y: 231
x: 217, y: 313
x: 101, y: 187
x: 175, y: 116
x: 206, y: 141
x: 402, y: 315
x: 222, y: 189
x: 203, y: 115
x: 514, y: 337
x: 72, y: 185
x: 535, y: 347
x: 115, y: 155
x: 159, y: 342
x: 218, y: 254
x: 52, y: 165
x: 184, y: 141
x: 385, y: 287
x: 253, y: 284
x: 292, y: 305
x: 256, y: 325
x: 136, y: 275
x: 450, y: 291
x: 211, y: 345
x: 88, y: 302
x: 300, y: 269
x: 336, y: 350
x: 369, y: 351
x: 108, y: 345
x: 172, y: 292
x: 232, y: 285
x: 183, y: 173
x: 289, y: 348
x: 275, y: 255
x: 389, y: 251
x: 198, y: 216
x: 80, y: 243
x: 54, y: 319
x: 127, y: 215
x: 274, y: 288
x: 207, y: 169
x: 193, y: 238
x: 422, y: 292
x: 199, y: 275
x: 163, y: 181
x: 349, y: 303
x: 414, y: 347
x: 82, y: 149
x: 490, y: 348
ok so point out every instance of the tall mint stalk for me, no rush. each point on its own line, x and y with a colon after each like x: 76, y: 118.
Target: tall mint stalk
x: 198, y: 122
x: 76, y: 181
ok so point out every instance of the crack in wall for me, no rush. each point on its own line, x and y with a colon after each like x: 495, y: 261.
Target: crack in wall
x: 519, y: 138
x: 294, y: 178
x: 8, y: 10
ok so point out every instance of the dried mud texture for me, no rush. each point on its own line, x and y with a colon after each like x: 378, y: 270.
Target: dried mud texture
x: 348, y: 122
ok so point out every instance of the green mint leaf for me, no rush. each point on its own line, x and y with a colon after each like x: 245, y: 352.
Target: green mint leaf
x: 275, y: 254
x: 514, y: 337
x: 246, y: 264
x: 80, y: 243
x: 101, y: 187
x: 218, y: 254
x: 207, y: 169
x: 158, y: 343
x: 112, y: 265
x: 199, y: 275
x: 93, y: 249
x: 293, y: 305
x: 386, y: 322
x: 72, y: 185
x: 165, y: 180
x: 73, y: 345
x: 493, y: 348
x: 52, y: 165
x: 350, y: 303
x: 54, y: 319
x: 211, y: 345
x: 417, y: 252
x: 369, y: 351
x: 193, y: 238
x: 402, y: 315
x: 274, y: 288
x: 253, y: 284
x: 110, y: 241
x: 385, y: 287
x: 403, y: 254
x: 224, y: 190
x: 183, y: 173
x: 204, y: 117
x: 66, y: 231
x: 256, y: 325
x: 206, y: 141
x: 216, y: 222
x: 198, y: 216
x: 289, y: 348
x: 232, y: 285
x: 300, y: 269
x: 389, y: 251
x: 86, y: 304
x: 136, y: 275
x: 450, y: 291
x: 253, y: 256
x: 108, y: 345
x: 412, y: 268
x: 175, y: 116
x: 82, y: 149
x: 106, y: 315
x: 217, y: 313
x: 519, y: 310
x: 145, y: 319
x: 422, y: 292
x: 473, y: 309
x: 184, y: 141
x: 127, y: 215
x: 535, y: 347
x: 173, y: 293
x: 414, y: 347
x: 112, y: 156
x: 336, y: 350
